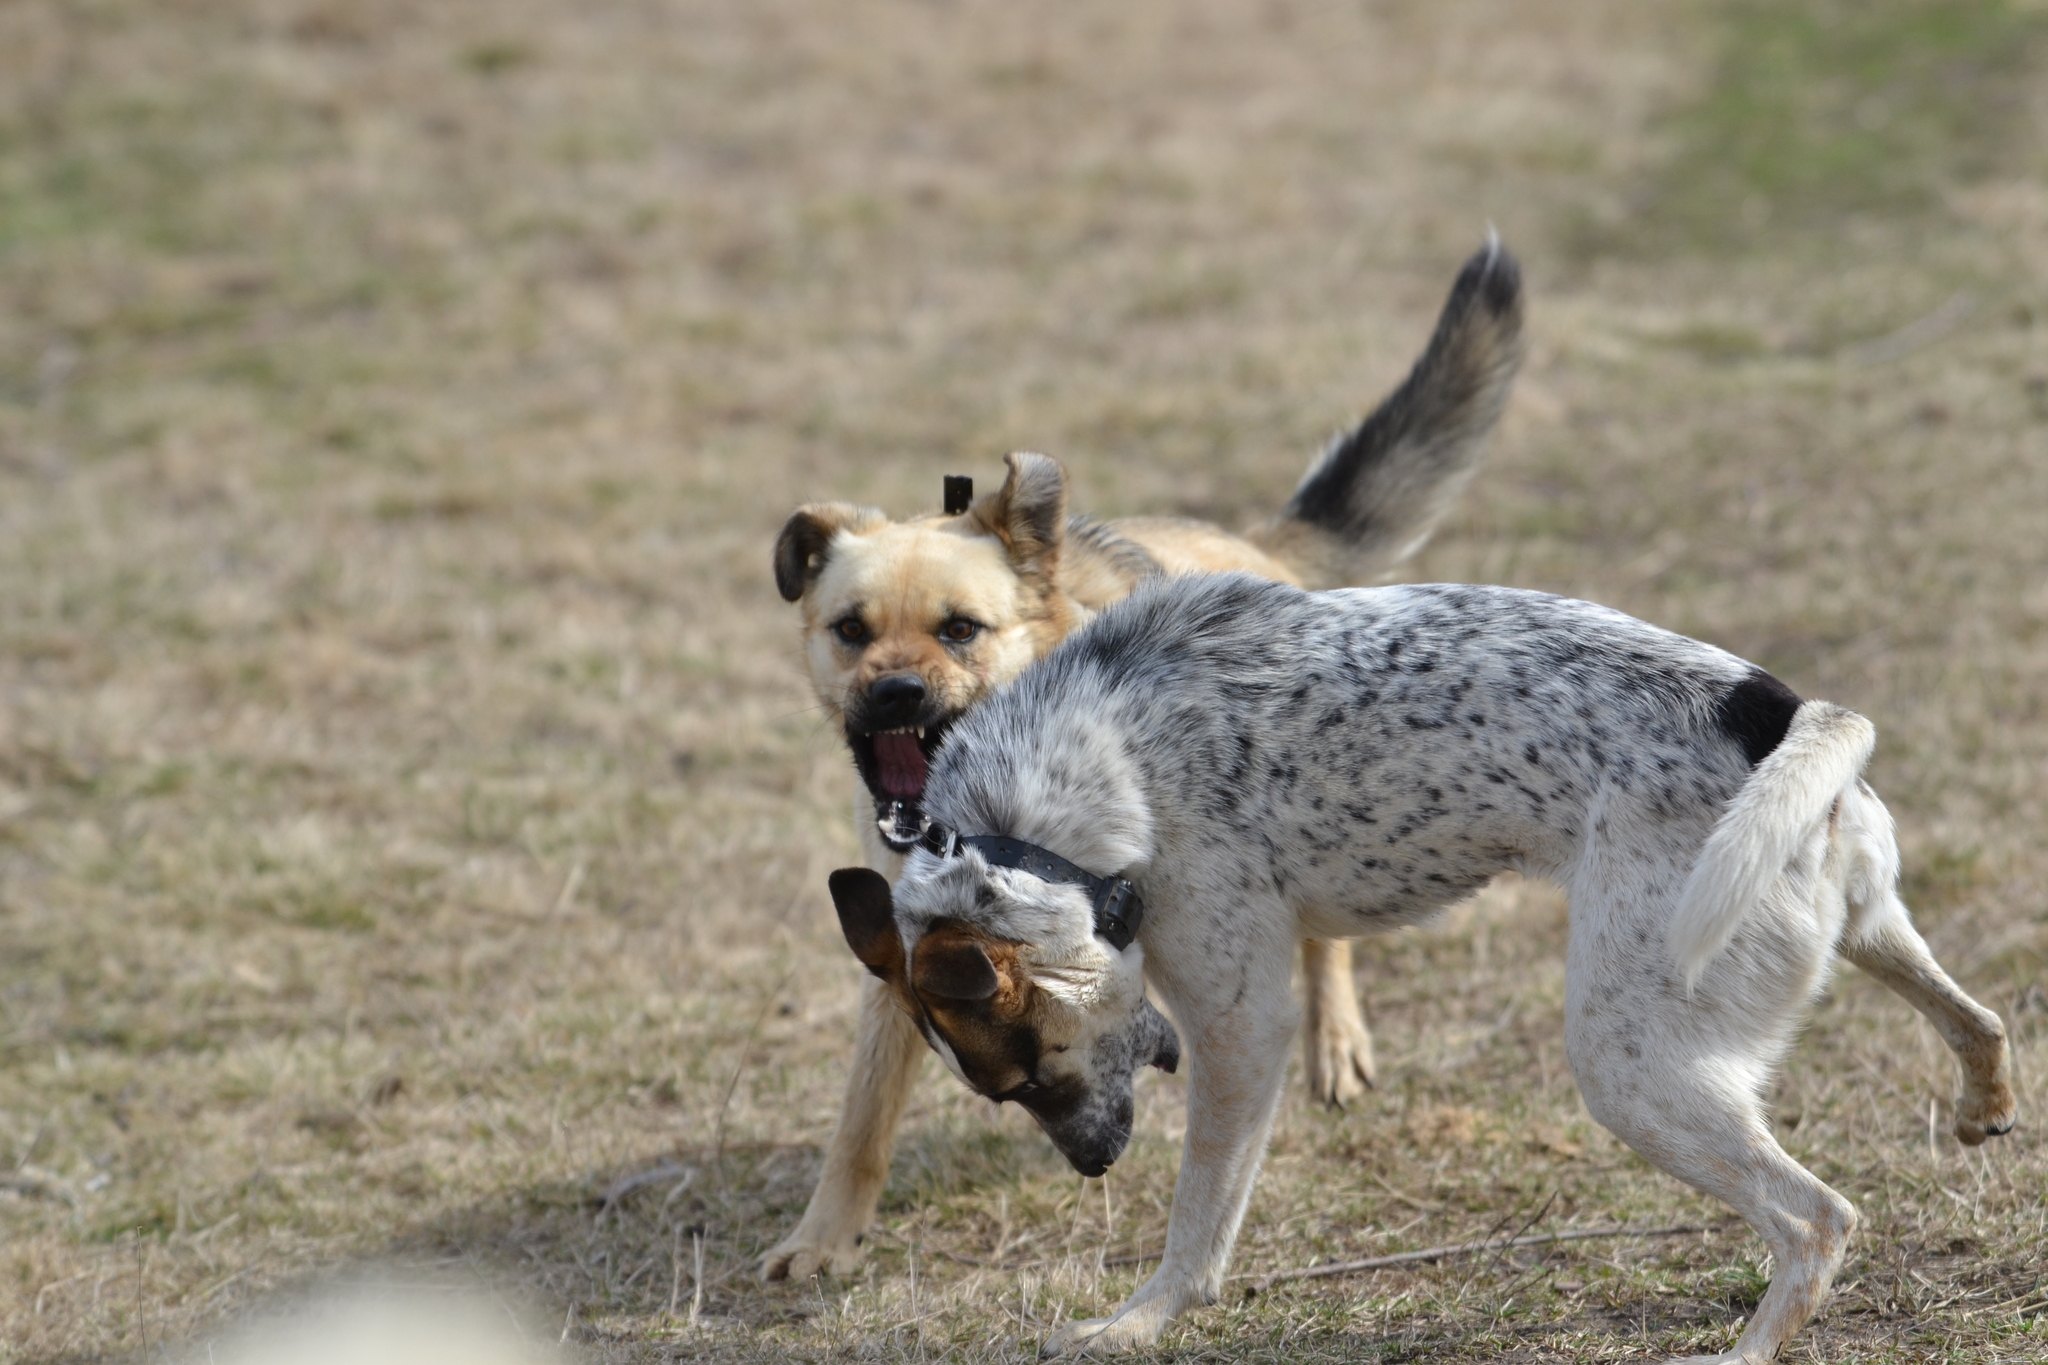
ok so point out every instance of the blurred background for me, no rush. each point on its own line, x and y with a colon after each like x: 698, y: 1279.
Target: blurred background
x: 413, y: 816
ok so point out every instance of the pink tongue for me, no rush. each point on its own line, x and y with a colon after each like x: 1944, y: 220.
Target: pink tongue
x: 902, y: 765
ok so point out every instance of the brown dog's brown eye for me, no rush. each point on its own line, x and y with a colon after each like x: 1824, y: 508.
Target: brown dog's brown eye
x: 960, y: 630
x: 850, y: 630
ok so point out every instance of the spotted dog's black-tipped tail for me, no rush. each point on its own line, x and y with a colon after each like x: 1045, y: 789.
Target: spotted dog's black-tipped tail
x: 1373, y: 497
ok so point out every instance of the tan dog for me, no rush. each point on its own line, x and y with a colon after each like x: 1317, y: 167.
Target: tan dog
x: 908, y: 624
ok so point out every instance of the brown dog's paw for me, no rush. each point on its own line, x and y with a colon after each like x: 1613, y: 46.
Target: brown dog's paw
x: 1340, y: 1061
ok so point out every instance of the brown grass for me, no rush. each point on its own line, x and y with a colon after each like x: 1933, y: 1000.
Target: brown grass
x: 412, y: 820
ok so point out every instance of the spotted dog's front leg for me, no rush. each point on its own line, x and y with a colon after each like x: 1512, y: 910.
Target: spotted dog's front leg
x: 1237, y: 1066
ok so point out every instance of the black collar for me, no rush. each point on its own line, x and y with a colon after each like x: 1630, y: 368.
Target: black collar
x: 1118, y: 911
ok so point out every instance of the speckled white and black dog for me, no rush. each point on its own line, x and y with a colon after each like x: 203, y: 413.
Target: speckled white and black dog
x: 1263, y: 764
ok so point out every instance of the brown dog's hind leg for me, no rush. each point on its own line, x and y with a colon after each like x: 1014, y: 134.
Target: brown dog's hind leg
x: 885, y: 1065
x: 1893, y: 951
x: 1334, y: 1038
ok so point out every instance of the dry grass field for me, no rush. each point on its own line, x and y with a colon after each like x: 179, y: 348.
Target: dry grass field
x: 414, y: 823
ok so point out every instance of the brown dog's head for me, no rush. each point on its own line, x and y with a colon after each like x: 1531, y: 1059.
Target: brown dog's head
x: 1011, y: 988
x: 907, y: 624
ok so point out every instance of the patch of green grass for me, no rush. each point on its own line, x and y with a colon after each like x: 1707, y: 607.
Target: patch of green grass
x: 1184, y: 294
x: 321, y: 906
x: 1943, y: 876
x: 145, y: 166
x: 491, y: 58
x: 1821, y: 110
x: 1716, y: 342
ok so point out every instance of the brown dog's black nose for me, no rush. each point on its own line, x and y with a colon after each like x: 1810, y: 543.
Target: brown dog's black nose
x: 893, y: 700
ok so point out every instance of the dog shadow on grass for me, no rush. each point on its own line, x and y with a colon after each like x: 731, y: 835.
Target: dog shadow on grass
x: 675, y: 1232
x: 977, y: 1239
x: 670, y: 1242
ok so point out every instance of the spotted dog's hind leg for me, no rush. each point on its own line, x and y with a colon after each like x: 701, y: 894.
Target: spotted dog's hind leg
x: 1879, y: 937
x: 1678, y: 1074
x: 1335, y: 1040
x: 1894, y: 953
x: 885, y: 1063
x: 1697, y: 1117
x: 1805, y: 1224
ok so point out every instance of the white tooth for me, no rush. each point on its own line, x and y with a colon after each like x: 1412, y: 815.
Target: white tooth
x: 920, y: 732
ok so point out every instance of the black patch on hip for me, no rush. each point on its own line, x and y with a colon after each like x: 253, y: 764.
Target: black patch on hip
x: 1756, y: 713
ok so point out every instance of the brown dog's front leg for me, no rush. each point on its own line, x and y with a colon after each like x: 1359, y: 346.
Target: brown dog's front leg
x: 885, y: 1065
x: 1334, y: 1038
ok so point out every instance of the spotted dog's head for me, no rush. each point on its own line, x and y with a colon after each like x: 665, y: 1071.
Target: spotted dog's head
x: 1011, y: 987
x: 907, y: 624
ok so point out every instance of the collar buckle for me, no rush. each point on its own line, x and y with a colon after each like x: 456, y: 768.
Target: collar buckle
x: 1117, y: 912
x: 939, y: 841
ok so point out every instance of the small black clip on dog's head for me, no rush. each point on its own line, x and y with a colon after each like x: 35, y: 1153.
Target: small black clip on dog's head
x: 959, y: 493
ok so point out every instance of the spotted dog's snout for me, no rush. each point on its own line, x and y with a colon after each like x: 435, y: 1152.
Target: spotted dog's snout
x: 1091, y: 1151
x: 1089, y: 1117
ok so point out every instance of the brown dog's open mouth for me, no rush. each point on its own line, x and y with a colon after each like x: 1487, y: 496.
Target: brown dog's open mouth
x: 895, y: 765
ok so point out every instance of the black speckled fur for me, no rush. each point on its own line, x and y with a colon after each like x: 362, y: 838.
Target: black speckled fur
x: 1384, y: 750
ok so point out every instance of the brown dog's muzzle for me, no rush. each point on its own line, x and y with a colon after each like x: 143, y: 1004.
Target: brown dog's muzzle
x: 894, y: 728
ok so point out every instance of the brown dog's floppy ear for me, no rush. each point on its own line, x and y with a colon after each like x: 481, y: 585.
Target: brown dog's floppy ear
x: 1029, y: 513
x: 800, y: 549
x: 949, y: 965
x: 867, y: 916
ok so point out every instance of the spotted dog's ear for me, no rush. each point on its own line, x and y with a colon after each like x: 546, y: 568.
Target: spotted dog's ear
x: 867, y: 916
x: 800, y: 549
x: 948, y: 964
x: 1029, y: 512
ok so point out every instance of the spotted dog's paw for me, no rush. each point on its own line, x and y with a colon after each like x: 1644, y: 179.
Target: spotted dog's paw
x: 1135, y: 1326
x: 1987, y: 1116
